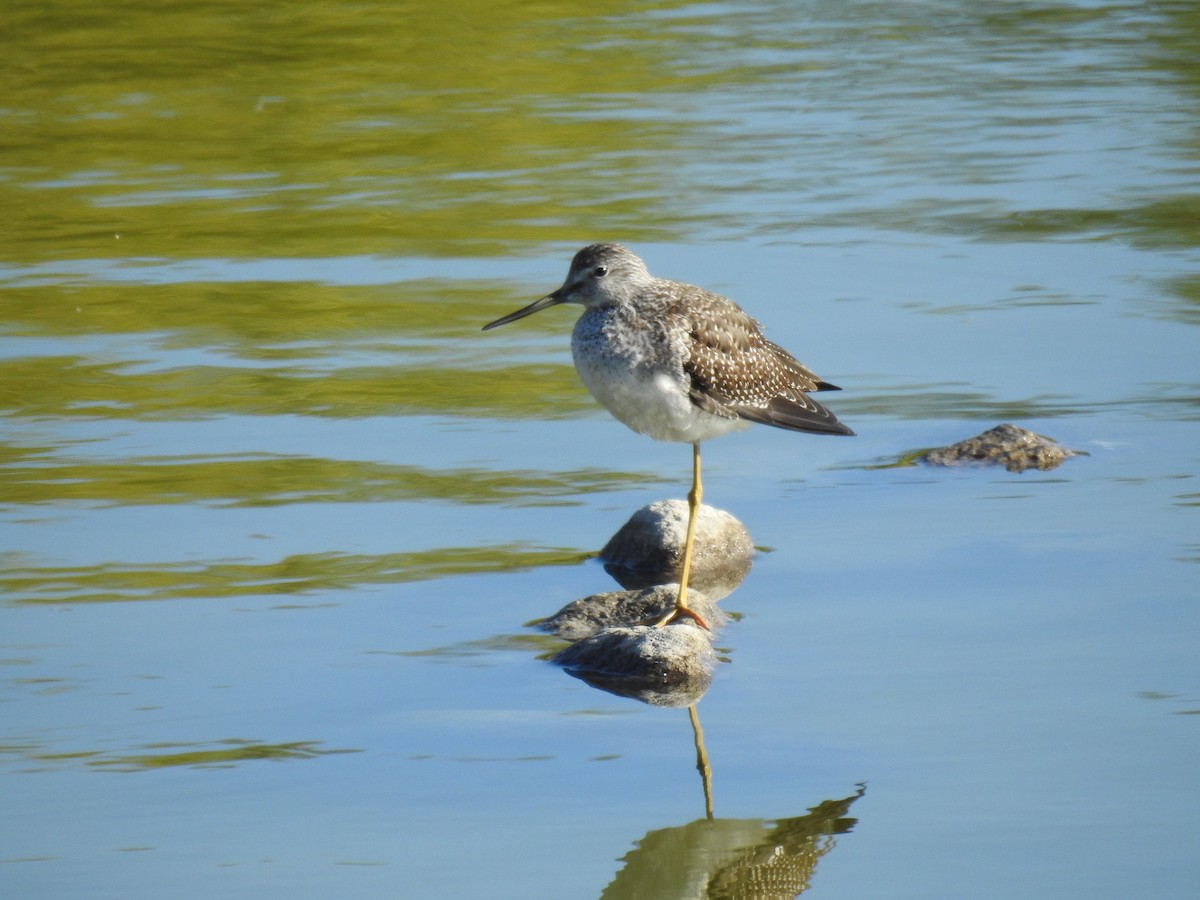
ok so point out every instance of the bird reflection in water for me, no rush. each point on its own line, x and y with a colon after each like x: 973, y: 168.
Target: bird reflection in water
x: 673, y: 666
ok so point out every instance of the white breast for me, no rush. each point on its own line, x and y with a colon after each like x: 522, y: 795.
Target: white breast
x: 639, y: 378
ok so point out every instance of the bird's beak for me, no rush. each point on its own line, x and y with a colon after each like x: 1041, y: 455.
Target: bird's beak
x: 547, y: 301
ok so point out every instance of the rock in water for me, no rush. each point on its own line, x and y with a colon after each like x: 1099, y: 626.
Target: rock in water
x: 668, y: 666
x: 584, y: 617
x: 648, y: 549
x: 1005, y: 445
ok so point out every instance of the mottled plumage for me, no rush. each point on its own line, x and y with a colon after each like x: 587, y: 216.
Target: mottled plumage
x: 678, y: 363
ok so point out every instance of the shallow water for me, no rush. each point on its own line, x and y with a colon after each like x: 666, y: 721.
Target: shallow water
x: 274, y: 513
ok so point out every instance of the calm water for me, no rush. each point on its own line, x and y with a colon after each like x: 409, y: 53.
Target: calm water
x: 274, y: 513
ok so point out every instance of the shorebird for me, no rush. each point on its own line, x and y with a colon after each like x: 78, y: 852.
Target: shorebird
x: 678, y: 363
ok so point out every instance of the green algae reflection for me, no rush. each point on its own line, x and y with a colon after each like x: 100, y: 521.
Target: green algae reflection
x: 263, y: 480
x: 227, y: 753
x: 298, y: 574
x: 331, y: 129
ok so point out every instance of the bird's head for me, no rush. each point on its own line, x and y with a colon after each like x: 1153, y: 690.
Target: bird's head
x: 600, y: 275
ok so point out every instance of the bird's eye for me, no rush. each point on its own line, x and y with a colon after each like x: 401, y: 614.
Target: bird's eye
x: 599, y: 271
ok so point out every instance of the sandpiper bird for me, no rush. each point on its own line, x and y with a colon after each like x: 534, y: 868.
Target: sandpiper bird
x: 678, y: 363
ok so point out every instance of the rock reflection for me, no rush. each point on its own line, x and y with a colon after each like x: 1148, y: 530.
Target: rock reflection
x: 616, y: 645
x: 668, y: 666
x: 733, y: 858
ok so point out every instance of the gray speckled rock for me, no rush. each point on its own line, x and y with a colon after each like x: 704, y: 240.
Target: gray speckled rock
x: 1005, y: 445
x: 584, y: 617
x: 668, y: 666
x: 648, y: 549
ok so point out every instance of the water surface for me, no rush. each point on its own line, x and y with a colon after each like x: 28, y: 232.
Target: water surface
x: 274, y: 512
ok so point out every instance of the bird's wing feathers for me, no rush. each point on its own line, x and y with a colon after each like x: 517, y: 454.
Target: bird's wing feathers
x: 736, y: 372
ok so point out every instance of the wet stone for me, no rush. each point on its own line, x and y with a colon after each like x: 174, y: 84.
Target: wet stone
x: 648, y: 549
x: 585, y: 617
x: 668, y: 666
x: 1005, y: 445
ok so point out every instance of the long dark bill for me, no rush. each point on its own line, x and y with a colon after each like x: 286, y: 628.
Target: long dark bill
x: 546, y: 302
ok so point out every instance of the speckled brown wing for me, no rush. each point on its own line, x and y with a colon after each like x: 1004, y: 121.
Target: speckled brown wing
x: 736, y: 372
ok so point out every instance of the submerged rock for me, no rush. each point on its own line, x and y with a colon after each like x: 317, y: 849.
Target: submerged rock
x: 648, y: 549
x: 668, y: 666
x: 584, y: 617
x: 1005, y: 445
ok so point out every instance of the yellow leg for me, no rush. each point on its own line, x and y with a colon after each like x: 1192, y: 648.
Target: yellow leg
x: 694, y: 496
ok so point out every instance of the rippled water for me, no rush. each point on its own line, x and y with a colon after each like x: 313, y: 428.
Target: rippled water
x: 274, y: 512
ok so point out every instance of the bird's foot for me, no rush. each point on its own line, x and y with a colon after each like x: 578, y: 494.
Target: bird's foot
x: 682, y: 612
